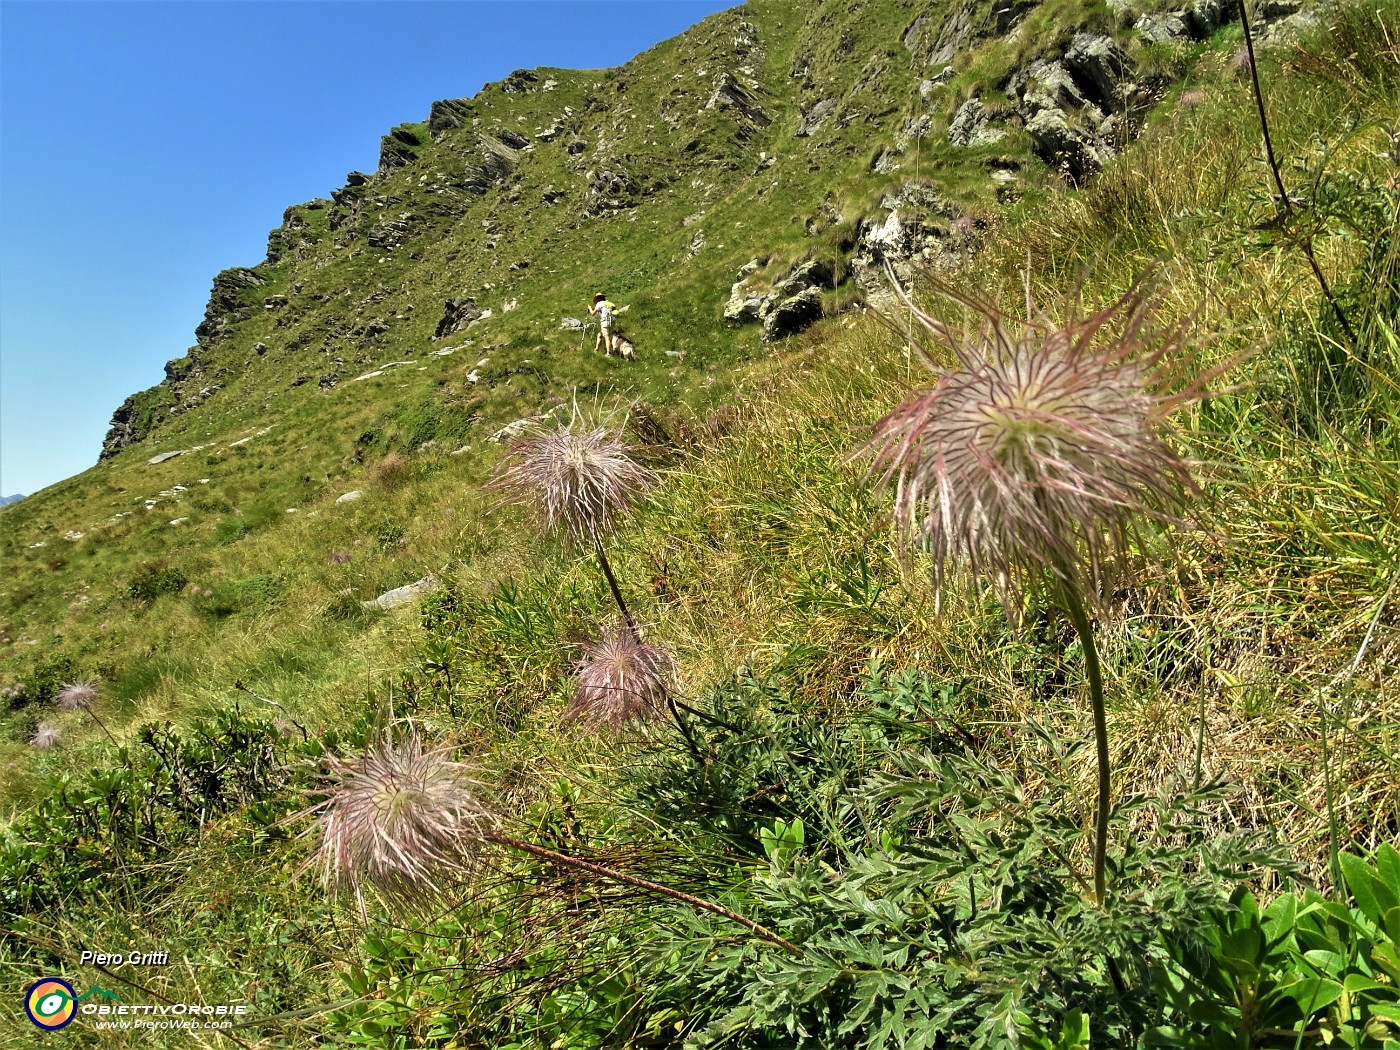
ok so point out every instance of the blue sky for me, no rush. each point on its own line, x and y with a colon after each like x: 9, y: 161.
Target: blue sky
x: 144, y: 146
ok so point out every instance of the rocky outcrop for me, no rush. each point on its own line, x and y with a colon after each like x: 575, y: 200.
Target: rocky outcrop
x: 488, y: 162
x: 1100, y: 67
x: 971, y: 126
x: 792, y: 303
x: 456, y: 315
x: 398, y: 149
x: 608, y: 190
x: 733, y: 96
x: 814, y: 117
x: 228, y: 303
x: 446, y: 114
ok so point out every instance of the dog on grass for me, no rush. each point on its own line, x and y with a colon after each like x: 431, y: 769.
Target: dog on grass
x: 625, y: 348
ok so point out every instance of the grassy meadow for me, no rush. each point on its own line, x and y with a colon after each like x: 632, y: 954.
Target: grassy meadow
x: 899, y: 787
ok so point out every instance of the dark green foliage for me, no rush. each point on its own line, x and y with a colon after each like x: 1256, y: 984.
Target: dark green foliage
x: 152, y: 579
x: 97, y: 832
x: 939, y: 901
x: 1301, y: 971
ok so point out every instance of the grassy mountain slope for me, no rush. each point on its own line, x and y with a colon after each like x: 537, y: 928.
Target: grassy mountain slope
x: 808, y: 796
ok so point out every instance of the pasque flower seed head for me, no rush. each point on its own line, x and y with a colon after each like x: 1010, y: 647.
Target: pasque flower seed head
x: 1040, y: 456
x: 620, y: 678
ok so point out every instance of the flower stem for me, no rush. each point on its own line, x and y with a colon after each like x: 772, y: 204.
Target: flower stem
x: 565, y: 860
x: 1070, y: 600
x: 612, y: 586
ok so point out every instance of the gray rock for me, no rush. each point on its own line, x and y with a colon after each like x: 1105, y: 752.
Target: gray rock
x: 1206, y: 16
x: 1044, y: 85
x: 398, y: 149
x: 349, y: 497
x: 814, y: 273
x: 912, y: 194
x: 791, y: 315
x: 571, y: 324
x: 1100, y: 67
x: 1164, y: 27
x: 1063, y: 146
x: 815, y: 117
x: 447, y: 114
x: 744, y: 306
x: 457, y: 314
x: 971, y: 125
x: 163, y: 456
x: 734, y: 96
x: 402, y: 595
x: 609, y: 191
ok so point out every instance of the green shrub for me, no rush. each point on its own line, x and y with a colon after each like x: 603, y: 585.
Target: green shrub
x: 152, y: 579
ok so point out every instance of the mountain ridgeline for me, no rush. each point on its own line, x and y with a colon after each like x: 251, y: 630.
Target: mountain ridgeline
x: 795, y: 147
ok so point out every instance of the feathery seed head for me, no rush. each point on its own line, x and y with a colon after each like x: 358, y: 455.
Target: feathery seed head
x: 46, y: 737
x: 620, y: 678
x: 1040, y: 456
x: 76, y: 696
x: 400, y: 819
x: 578, y: 475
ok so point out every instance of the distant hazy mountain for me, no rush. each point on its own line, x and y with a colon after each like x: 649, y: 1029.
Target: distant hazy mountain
x: 9, y: 499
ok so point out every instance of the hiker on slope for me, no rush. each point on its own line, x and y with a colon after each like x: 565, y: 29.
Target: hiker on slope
x: 605, y: 310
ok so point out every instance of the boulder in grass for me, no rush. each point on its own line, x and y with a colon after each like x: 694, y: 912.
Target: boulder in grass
x: 405, y: 594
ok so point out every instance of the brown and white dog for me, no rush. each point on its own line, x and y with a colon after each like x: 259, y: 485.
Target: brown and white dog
x: 625, y: 347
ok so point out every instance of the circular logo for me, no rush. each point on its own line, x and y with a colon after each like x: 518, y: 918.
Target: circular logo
x: 51, y: 1003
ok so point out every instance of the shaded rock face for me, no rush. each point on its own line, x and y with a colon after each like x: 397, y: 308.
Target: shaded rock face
x: 398, y: 149
x: 121, y: 432
x: 456, y: 315
x: 734, y: 96
x: 1076, y: 153
x: 446, y: 114
x: 227, y: 303
x: 609, y: 191
x: 520, y: 81
x: 789, y: 316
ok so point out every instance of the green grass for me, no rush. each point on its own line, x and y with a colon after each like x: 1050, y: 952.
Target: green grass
x: 1265, y: 654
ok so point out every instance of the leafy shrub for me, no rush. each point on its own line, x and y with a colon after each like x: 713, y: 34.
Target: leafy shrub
x: 1301, y: 971
x: 152, y: 579
x: 94, y: 830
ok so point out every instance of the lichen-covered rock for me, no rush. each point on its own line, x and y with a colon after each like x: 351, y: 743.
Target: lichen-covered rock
x: 744, y: 306
x: 1164, y: 27
x: 971, y: 125
x: 1064, y: 146
x: 785, y: 317
x: 1100, y: 67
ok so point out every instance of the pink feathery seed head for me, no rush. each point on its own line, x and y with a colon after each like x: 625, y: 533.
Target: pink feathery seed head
x: 620, y: 678
x: 400, y: 819
x: 579, y: 475
x: 46, y: 737
x: 76, y: 696
x: 1040, y: 456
